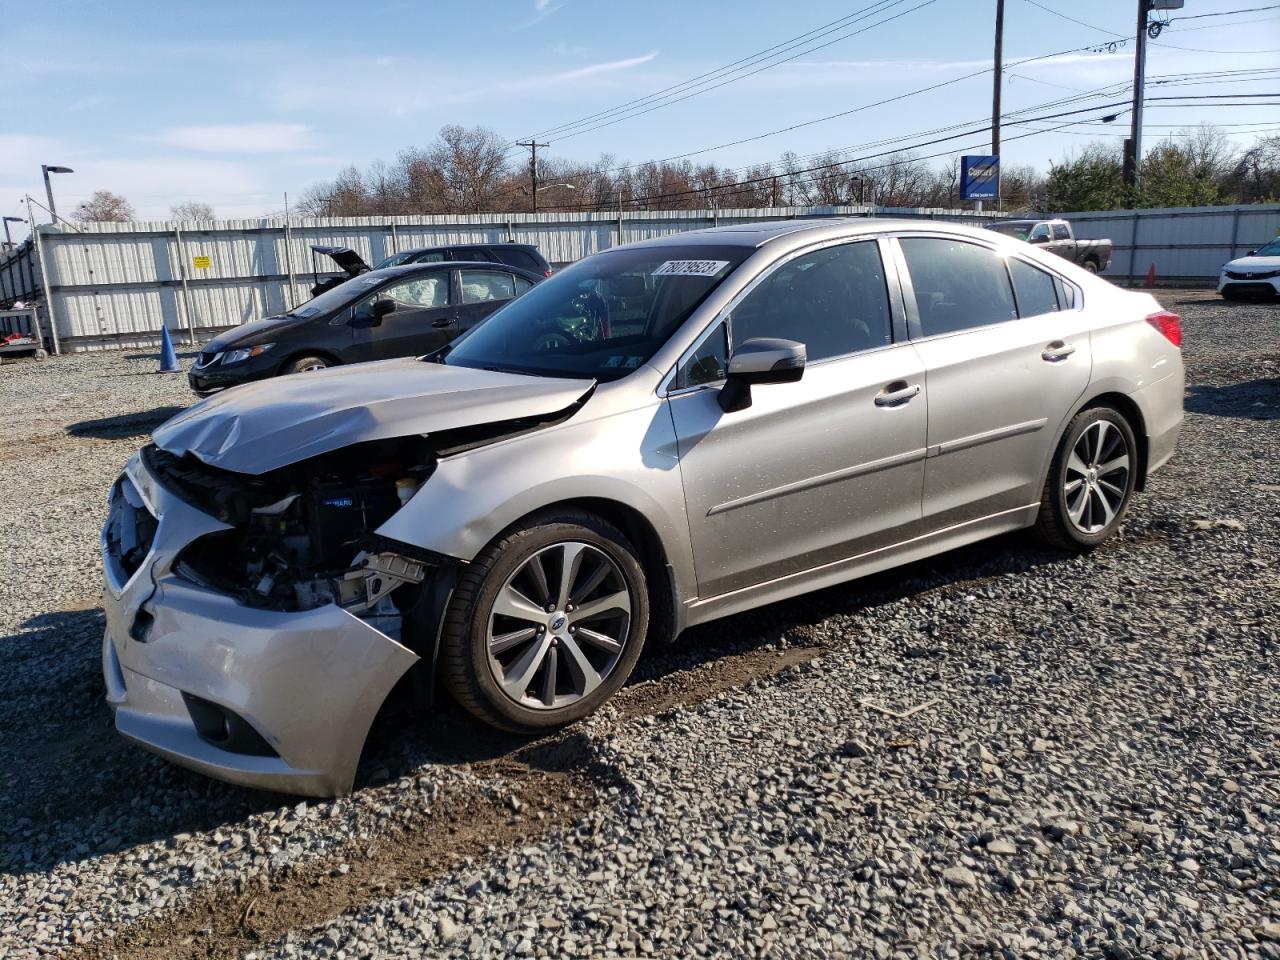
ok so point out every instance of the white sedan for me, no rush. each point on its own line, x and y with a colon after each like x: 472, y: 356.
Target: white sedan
x: 1258, y: 274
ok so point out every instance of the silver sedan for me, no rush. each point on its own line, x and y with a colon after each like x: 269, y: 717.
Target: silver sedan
x: 659, y: 435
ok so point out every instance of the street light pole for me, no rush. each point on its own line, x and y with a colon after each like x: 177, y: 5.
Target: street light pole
x: 8, y: 220
x: 47, y: 169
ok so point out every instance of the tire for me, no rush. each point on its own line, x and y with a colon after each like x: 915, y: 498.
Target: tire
x: 305, y: 364
x: 1079, y: 519
x: 1091, y: 266
x: 509, y: 688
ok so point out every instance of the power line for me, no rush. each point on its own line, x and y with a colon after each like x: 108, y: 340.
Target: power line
x: 1058, y: 13
x: 956, y: 136
x: 631, y: 114
x: 766, y: 53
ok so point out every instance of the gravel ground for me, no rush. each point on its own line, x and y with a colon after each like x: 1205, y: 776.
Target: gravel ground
x: 1092, y: 767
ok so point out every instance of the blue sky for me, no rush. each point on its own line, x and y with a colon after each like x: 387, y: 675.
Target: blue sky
x: 233, y: 102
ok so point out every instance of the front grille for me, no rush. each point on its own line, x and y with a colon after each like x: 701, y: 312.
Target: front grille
x: 1255, y: 275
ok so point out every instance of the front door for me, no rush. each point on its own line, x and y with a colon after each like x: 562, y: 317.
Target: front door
x: 1003, y: 374
x: 420, y: 321
x: 815, y: 471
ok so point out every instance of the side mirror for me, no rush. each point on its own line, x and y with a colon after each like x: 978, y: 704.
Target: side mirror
x: 760, y: 360
x: 1251, y: 253
x: 372, y: 315
x: 1039, y: 238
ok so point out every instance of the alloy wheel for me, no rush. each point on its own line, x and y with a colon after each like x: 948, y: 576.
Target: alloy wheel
x: 558, y: 626
x: 1096, y: 479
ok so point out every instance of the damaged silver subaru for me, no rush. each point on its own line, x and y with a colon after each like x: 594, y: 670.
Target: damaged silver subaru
x: 662, y: 434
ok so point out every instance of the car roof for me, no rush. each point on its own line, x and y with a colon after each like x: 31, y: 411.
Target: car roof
x: 800, y: 231
x: 479, y: 243
x: 405, y: 269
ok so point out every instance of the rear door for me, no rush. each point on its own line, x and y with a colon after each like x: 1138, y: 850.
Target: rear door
x: 1003, y: 370
x: 815, y: 471
x: 482, y: 292
x: 422, y: 319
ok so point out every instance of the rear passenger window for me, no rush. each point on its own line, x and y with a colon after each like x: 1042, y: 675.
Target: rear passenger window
x: 479, y: 286
x: 833, y: 300
x: 958, y: 285
x: 470, y: 253
x: 522, y: 285
x: 1060, y: 232
x: 1066, y: 293
x: 517, y: 258
x: 1035, y: 289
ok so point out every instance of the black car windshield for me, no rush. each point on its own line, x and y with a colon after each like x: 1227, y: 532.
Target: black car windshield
x: 343, y: 295
x: 602, y: 317
x: 396, y: 259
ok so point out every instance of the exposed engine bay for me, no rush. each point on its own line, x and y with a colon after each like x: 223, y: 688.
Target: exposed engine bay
x: 302, y: 536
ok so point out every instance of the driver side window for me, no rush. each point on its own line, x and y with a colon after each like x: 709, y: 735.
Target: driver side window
x: 432, y: 291
x: 1039, y: 234
x: 832, y: 300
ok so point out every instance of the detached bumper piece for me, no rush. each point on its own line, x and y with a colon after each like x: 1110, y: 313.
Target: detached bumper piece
x: 269, y: 699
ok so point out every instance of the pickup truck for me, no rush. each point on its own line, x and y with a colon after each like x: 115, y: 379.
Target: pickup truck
x: 1058, y: 237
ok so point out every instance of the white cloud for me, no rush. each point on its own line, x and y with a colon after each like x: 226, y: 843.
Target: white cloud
x: 239, y: 137
x: 610, y: 66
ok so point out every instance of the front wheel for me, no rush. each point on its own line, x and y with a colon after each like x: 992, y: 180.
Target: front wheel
x: 1090, y: 482
x: 305, y: 365
x: 546, y: 624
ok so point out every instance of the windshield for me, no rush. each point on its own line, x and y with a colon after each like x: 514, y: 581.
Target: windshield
x: 1271, y: 249
x: 396, y: 260
x: 340, y: 296
x: 602, y: 317
x: 1020, y: 229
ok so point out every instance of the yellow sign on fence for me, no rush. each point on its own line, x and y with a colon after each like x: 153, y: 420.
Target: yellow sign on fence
x: 201, y: 263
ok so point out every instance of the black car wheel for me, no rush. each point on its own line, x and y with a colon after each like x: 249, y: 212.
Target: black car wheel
x: 305, y: 365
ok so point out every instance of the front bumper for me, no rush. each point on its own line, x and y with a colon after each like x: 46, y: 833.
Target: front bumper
x: 307, y: 683
x: 217, y: 377
x: 1255, y: 287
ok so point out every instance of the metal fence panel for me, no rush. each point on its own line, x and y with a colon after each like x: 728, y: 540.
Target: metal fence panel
x: 119, y: 282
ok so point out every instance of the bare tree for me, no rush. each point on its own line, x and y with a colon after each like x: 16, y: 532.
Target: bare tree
x: 192, y: 210
x: 104, y: 207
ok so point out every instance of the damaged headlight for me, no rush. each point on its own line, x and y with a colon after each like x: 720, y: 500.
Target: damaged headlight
x: 244, y: 353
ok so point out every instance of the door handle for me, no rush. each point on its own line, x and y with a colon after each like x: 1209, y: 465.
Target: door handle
x: 897, y: 394
x: 1057, y: 351
x: 444, y: 322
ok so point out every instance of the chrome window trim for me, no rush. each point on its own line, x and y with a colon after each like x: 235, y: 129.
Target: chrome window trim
x: 664, y: 386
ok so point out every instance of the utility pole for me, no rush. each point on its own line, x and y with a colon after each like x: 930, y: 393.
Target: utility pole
x: 1133, y: 149
x: 998, y: 74
x: 533, y: 146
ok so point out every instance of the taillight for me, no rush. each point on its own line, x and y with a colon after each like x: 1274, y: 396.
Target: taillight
x: 1169, y: 324
x: 546, y: 273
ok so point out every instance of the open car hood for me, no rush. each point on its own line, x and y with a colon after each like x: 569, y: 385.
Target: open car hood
x: 344, y: 257
x: 261, y: 426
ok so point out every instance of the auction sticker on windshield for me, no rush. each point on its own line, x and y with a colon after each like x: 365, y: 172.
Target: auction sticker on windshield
x: 690, y: 268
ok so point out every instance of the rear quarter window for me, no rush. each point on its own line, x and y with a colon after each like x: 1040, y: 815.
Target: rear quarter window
x: 518, y: 258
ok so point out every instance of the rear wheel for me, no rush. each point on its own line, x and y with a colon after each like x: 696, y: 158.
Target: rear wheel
x: 546, y: 624
x: 1090, y: 482
x: 305, y: 364
x: 1091, y: 266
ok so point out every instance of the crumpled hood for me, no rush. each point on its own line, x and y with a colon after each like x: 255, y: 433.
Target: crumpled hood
x: 256, y: 331
x: 258, y: 427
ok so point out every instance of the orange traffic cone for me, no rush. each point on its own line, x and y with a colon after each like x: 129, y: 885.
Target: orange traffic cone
x: 1151, y: 275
